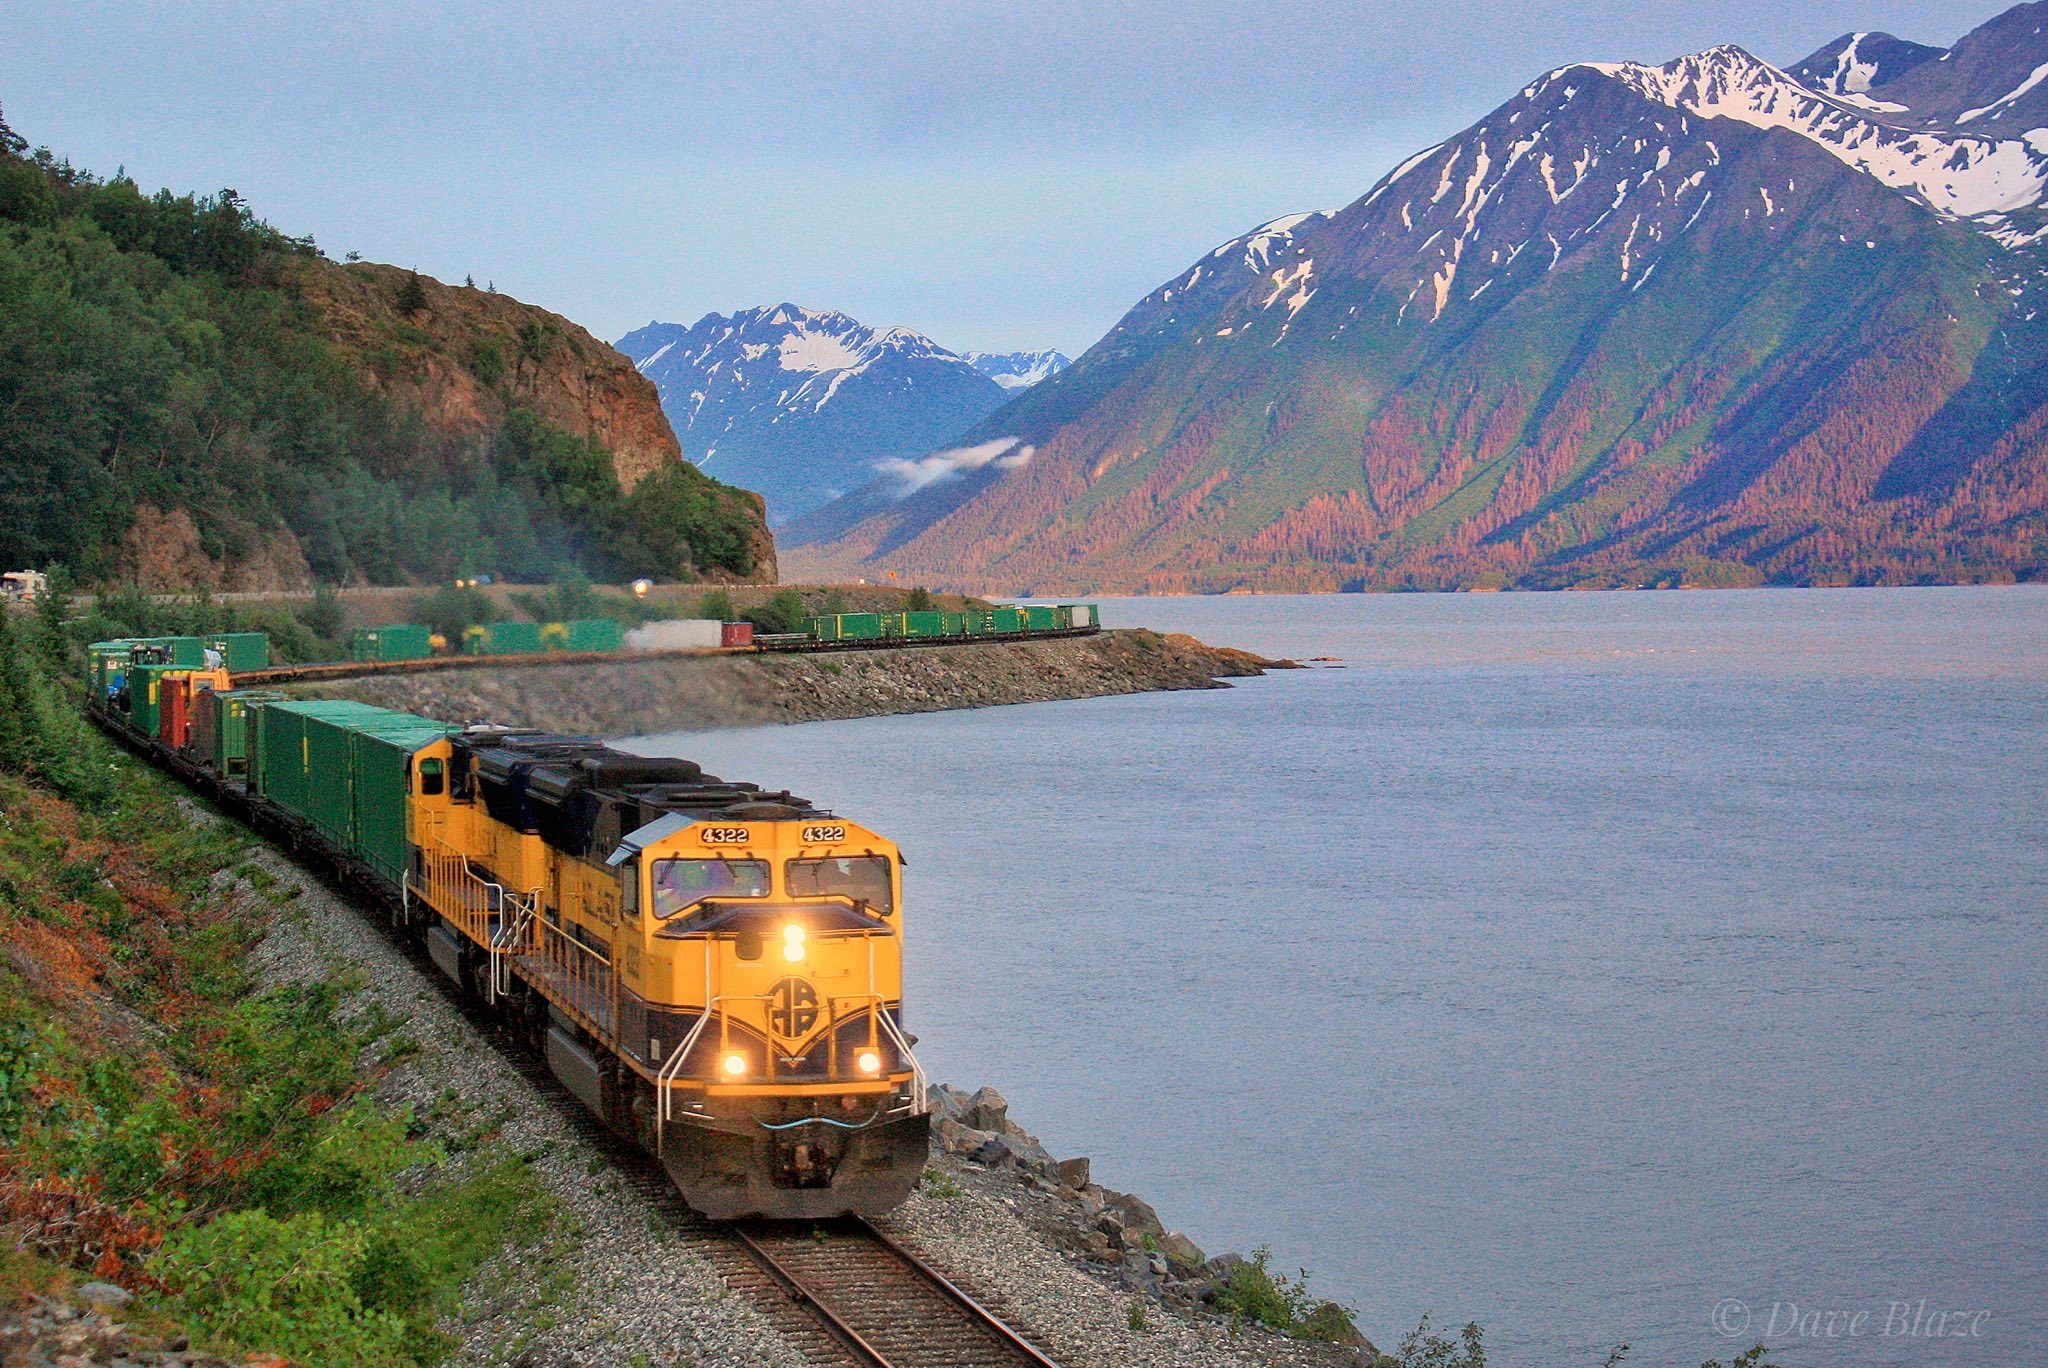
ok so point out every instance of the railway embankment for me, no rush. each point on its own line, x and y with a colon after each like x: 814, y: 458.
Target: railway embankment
x: 693, y: 693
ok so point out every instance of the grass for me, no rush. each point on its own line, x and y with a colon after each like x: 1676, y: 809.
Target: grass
x: 168, y: 1122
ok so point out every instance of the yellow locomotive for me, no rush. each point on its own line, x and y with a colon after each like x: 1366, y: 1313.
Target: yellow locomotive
x: 715, y: 970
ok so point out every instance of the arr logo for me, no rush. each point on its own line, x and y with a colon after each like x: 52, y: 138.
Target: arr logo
x: 792, y: 1007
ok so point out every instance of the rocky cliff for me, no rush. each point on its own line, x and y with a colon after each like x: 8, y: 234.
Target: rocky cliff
x: 468, y: 356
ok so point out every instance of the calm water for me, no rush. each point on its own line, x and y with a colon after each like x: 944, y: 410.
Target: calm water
x: 1578, y: 964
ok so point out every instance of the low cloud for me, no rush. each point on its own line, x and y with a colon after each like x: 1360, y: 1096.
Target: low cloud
x: 1004, y: 453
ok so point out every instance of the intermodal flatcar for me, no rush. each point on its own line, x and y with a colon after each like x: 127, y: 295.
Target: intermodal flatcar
x: 714, y: 969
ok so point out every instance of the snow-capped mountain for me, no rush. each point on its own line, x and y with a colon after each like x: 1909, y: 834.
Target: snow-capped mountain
x: 1709, y: 318
x: 803, y: 404
x: 1017, y: 370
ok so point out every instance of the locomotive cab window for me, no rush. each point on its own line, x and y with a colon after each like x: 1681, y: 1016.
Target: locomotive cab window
x: 433, y: 779
x: 680, y: 884
x: 864, y: 878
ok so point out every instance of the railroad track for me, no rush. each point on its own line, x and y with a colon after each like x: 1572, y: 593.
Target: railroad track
x: 320, y: 671
x: 881, y: 1305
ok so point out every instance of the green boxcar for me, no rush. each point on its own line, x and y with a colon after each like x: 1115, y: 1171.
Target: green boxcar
x: 185, y: 652
x: 395, y: 642
x: 230, y: 753
x: 145, y: 702
x: 380, y: 771
x: 856, y: 627
x: 241, y: 651
x: 342, y: 766
x: 330, y: 790
x: 595, y: 634
x: 109, y: 664
x: 513, y: 638
x: 282, y: 756
x: 923, y: 626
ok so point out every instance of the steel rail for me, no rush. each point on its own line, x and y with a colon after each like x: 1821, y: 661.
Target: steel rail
x: 799, y: 1292
x: 1025, y: 1351
x: 824, y: 1302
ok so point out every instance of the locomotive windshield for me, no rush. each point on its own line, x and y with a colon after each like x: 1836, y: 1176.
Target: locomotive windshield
x: 685, y: 883
x: 864, y: 878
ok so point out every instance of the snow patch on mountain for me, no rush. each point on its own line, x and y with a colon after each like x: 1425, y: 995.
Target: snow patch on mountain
x: 800, y: 404
x: 1018, y: 370
x: 1956, y: 175
x: 2012, y: 96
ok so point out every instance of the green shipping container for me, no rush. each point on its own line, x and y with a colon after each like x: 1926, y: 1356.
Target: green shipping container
x: 381, y: 769
x: 188, y: 653
x: 513, y: 638
x: 595, y: 634
x: 230, y: 752
x: 241, y: 651
x: 145, y: 696
x: 395, y: 642
x: 109, y: 664
x: 856, y: 627
x: 952, y: 624
x: 923, y: 626
x: 1003, y: 620
x: 1083, y: 615
x: 283, y: 751
x: 1041, y: 619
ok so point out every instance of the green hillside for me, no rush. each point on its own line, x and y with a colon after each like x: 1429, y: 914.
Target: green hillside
x: 179, y: 406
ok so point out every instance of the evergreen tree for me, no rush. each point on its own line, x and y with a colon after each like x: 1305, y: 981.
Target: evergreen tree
x: 412, y: 296
x: 12, y: 144
x: 920, y: 600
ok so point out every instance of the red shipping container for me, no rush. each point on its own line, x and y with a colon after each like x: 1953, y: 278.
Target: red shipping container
x: 736, y: 634
x: 174, y: 711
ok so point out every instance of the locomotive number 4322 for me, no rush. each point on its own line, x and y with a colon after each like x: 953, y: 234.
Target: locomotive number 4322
x: 716, y: 835
x: 823, y: 835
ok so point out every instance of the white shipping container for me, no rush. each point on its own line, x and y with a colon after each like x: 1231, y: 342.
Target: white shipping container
x: 674, y: 634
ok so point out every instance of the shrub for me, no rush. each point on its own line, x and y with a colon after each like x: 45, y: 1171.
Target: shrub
x: 785, y: 612
x: 717, y: 605
x: 451, y: 611
x: 1254, y: 1292
x: 250, y: 1281
x: 920, y: 600
x: 323, y: 615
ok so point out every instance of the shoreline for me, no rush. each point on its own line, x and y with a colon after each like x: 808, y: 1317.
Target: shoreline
x: 702, y: 693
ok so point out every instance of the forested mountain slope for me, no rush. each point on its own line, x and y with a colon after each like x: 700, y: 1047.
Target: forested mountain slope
x: 188, y: 398
x: 1704, y: 322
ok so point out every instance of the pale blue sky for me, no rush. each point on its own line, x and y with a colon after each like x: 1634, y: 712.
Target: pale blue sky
x: 995, y: 175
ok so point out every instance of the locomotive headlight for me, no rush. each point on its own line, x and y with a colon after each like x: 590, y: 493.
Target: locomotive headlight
x: 869, y: 1061
x: 735, y: 1064
x: 792, y: 943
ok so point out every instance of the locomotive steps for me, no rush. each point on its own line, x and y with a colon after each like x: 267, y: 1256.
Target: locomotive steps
x: 632, y: 697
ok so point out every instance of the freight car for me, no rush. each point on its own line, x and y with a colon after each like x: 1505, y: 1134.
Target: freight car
x: 714, y: 969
